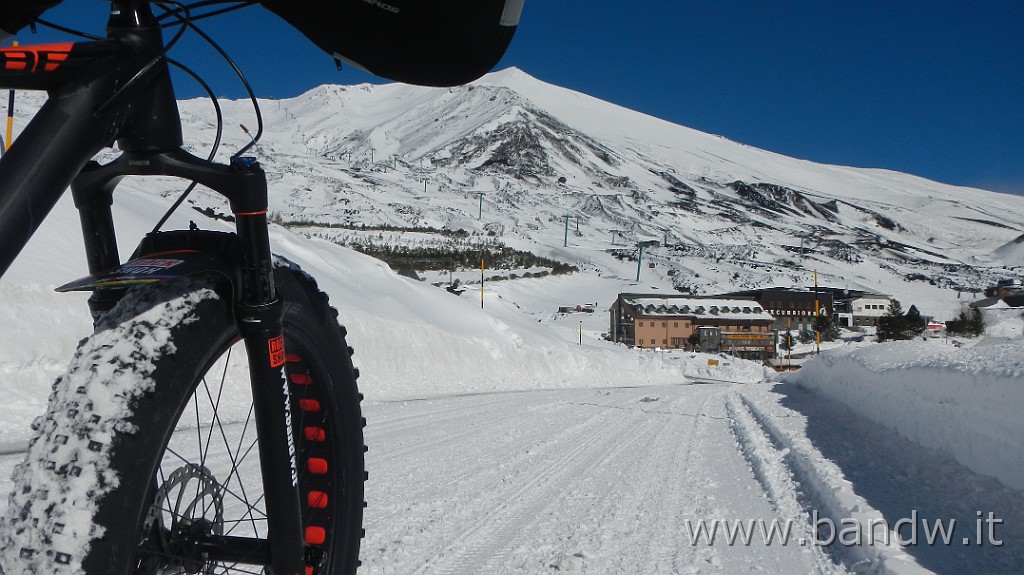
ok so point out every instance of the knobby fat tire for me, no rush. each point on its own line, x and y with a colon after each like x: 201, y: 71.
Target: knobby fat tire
x: 86, y: 488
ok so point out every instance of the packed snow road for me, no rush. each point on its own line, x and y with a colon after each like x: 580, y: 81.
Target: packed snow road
x: 590, y: 481
x: 603, y: 481
x: 682, y: 479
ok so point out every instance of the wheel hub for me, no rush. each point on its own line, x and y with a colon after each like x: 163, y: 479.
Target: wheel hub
x: 187, y: 508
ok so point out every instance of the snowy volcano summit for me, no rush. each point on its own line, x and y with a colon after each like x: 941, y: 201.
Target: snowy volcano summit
x: 570, y: 177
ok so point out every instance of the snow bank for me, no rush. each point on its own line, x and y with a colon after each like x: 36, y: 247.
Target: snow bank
x: 829, y: 490
x: 1003, y: 322
x: 965, y: 403
x: 415, y: 340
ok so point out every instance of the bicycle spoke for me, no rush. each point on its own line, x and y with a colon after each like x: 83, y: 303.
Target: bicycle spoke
x: 251, y: 507
x: 215, y: 404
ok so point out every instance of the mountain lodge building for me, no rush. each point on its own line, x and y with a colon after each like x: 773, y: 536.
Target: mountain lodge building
x: 737, y: 326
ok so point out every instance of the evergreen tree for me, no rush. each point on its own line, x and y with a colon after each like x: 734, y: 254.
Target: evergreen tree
x: 787, y: 341
x: 888, y: 324
x: 895, y: 309
x: 827, y: 328
x: 967, y: 323
x: 898, y: 325
x: 913, y: 324
x: 977, y: 322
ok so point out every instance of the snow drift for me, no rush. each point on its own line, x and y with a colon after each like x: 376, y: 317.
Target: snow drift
x: 965, y: 403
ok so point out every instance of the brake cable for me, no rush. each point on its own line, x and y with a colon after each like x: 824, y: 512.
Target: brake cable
x: 213, y: 151
x: 220, y: 122
x: 183, y: 16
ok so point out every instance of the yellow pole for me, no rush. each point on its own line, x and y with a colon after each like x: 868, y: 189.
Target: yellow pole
x: 789, y: 344
x: 10, y: 118
x: 481, y: 282
x: 817, y: 311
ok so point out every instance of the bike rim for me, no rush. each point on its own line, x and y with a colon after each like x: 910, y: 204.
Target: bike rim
x: 207, y: 494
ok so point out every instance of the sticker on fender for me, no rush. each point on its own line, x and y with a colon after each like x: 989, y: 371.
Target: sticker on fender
x: 147, y: 266
x: 276, y: 347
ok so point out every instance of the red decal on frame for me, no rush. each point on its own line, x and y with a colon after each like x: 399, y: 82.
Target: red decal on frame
x: 43, y: 57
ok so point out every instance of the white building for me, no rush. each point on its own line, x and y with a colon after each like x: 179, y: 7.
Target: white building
x: 868, y: 308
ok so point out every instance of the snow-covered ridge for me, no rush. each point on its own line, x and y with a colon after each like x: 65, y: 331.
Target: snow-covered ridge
x: 512, y: 156
x: 536, y: 153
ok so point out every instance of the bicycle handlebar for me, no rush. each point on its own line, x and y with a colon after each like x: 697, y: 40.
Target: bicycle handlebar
x: 92, y: 103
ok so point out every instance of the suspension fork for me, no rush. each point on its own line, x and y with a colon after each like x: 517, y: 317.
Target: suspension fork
x: 259, y: 314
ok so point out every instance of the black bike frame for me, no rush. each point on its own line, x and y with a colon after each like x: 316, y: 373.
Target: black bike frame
x: 119, y: 89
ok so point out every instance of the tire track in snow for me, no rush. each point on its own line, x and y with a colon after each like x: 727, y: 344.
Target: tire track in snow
x: 776, y: 478
x: 626, y: 438
x: 478, y: 544
x: 624, y: 513
x: 433, y: 495
x: 665, y: 556
x: 493, y: 414
x: 769, y: 466
x: 480, y: 452
x: 556, y: 537
x: 836, y: 500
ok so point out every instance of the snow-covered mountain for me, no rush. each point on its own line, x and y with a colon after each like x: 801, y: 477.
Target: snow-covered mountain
x: 570, y: 177
x: 514, y: 161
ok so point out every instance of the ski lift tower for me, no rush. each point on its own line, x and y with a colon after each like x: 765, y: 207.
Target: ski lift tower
x: 640, y: 256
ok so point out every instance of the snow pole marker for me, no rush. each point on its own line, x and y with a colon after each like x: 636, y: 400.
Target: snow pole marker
x: 10, y: 117
x: 817, y: 312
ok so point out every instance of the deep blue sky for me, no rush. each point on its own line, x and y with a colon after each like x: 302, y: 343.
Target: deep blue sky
x: 930, y: 87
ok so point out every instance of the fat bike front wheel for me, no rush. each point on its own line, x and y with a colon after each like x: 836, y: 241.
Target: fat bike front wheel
x: 147, y: 460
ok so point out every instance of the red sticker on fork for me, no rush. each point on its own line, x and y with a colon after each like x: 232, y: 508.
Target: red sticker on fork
x: 276, y: 347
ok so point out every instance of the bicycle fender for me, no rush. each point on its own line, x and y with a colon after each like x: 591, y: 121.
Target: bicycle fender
x: 156, y: 267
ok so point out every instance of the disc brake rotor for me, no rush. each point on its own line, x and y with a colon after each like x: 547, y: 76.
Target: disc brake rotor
x: 192, y: 500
